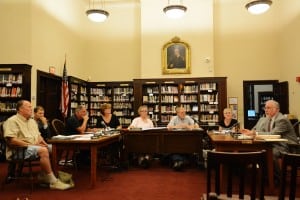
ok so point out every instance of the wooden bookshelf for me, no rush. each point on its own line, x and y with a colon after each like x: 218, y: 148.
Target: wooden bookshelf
x: 15, y: 84
x: 203, y: 98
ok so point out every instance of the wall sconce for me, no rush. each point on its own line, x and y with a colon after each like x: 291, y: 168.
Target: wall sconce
x: 257, y: 7
x: 96, y: 15
x: 174, y: 11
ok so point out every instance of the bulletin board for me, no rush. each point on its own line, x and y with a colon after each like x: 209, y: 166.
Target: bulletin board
x: 233, y: 104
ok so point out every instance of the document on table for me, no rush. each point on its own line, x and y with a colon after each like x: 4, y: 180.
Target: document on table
x: 63, y: 137
x: 84, y: 137
x: 154, y: 128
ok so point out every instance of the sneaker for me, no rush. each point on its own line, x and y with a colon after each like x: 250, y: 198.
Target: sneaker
x: 67, y: 163
x: 178, y: 166
x: 58, y: 185
x: 61, y: 162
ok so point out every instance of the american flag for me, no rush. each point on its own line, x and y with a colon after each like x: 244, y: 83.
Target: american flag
x: 64, y: 93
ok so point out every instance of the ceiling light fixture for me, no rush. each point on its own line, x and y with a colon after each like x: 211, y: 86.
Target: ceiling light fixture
x: 174, y: 11
x: 257, y: 7
x: 96, y: 15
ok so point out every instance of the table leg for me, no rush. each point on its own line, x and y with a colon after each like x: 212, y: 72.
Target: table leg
x: 93, y: 165
x: 270, y: 166
x: 54, y: 159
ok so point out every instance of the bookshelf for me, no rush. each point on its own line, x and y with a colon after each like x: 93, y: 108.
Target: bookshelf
x: 203, y: 98
x: 78, y: 94
x: 15, y: 84
x: 118, y: 94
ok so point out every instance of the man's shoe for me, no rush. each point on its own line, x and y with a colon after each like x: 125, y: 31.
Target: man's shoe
x: 178, y: 165
x: 58, y: 185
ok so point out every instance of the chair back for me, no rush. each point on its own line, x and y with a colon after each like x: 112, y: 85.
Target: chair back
x: 2, y: 143
x: 297, y: 129
x: 246, y: 164
x: 154, y: 123
x: 290, y: 165
x: 58, y: 126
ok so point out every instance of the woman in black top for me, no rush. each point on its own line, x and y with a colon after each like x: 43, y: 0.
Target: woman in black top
x: 228, y: 123
x: 107, y: 119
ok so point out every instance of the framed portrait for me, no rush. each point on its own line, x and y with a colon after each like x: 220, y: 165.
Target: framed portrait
x: 176, y: 57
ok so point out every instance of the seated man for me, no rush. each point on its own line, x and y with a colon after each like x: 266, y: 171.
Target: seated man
x: 274, y: 123
x: 180, y: 121
x: 21, y: 130
x: 76, y: 124
x: 42, y: 122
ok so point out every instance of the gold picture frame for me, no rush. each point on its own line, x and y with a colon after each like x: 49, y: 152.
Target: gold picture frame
x: 176, y: 57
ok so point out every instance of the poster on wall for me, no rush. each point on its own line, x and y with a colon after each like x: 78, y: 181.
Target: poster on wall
x: 233, y: 104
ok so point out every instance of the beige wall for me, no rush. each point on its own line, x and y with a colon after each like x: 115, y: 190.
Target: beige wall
x: 246, y: 46
x: 15, y: 41
x: 289, y: 50
x: 157, y: 30
x: 128, y: 45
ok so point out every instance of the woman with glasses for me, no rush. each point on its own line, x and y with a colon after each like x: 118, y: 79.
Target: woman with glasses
x: 141, y: 122
x: 228, y: 123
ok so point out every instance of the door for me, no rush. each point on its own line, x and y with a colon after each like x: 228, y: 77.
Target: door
x: 48, y: 94
x: 256, y: 93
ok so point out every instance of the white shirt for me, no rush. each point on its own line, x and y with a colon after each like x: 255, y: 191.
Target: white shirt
x: 138, y: 122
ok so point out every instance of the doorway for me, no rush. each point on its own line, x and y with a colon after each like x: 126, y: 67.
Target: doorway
x: 48, y: 94
x: 256, y: 93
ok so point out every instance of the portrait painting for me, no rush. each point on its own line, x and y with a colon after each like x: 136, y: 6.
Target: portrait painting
x: 176, y: 57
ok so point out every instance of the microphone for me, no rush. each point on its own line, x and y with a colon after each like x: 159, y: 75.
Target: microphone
x: 234, y: 125
x: 195, y: 120
x: 197, y: 123
x: 105, y: 126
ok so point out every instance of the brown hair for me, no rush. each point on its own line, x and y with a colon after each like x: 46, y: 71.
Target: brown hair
x: 104, y: 106
x: 36, y: 109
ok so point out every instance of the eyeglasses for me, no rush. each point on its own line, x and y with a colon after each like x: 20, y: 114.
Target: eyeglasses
x: 268, y: 108
x: 143, y: 111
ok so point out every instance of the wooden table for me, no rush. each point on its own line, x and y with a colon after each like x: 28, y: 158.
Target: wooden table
x: 163, y: 141
x: 225, y: 142
x: 93, y: 145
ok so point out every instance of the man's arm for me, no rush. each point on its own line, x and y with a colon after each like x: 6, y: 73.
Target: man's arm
x: 81, y: 129
x: 13, y: 141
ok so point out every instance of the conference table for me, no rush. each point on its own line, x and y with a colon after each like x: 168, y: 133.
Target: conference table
x: 227, y: 142
x: 156, y: 140
x: 80, y: 142
x: 161, y: 140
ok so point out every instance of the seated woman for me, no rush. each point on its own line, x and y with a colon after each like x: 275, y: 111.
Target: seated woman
x: 107, y: 119
x: 228, y: 123
x: 142, y: 121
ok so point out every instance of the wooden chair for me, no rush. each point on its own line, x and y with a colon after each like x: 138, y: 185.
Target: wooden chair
x: 17, y: 164
x: 290, y: 165
x: 252, y: 164
x: 295, y: 147
x: 59, y: 128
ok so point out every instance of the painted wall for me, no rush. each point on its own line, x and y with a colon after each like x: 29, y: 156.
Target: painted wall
x: 128, y: 45
x: 15, y: 22
x: 195, y: 28
x: 289, y: 50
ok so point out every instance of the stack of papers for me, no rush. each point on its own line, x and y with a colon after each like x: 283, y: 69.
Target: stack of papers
x: 64, y: 137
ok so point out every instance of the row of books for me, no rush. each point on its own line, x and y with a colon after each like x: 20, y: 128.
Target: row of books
x: 100, y: 91
x: 11, y: 78
x: 10, y: 91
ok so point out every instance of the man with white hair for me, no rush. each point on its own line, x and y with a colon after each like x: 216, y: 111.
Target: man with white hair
x: 274, y: 123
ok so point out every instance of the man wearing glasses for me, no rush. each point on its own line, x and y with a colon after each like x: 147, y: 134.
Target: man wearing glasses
x: 274, y: 123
